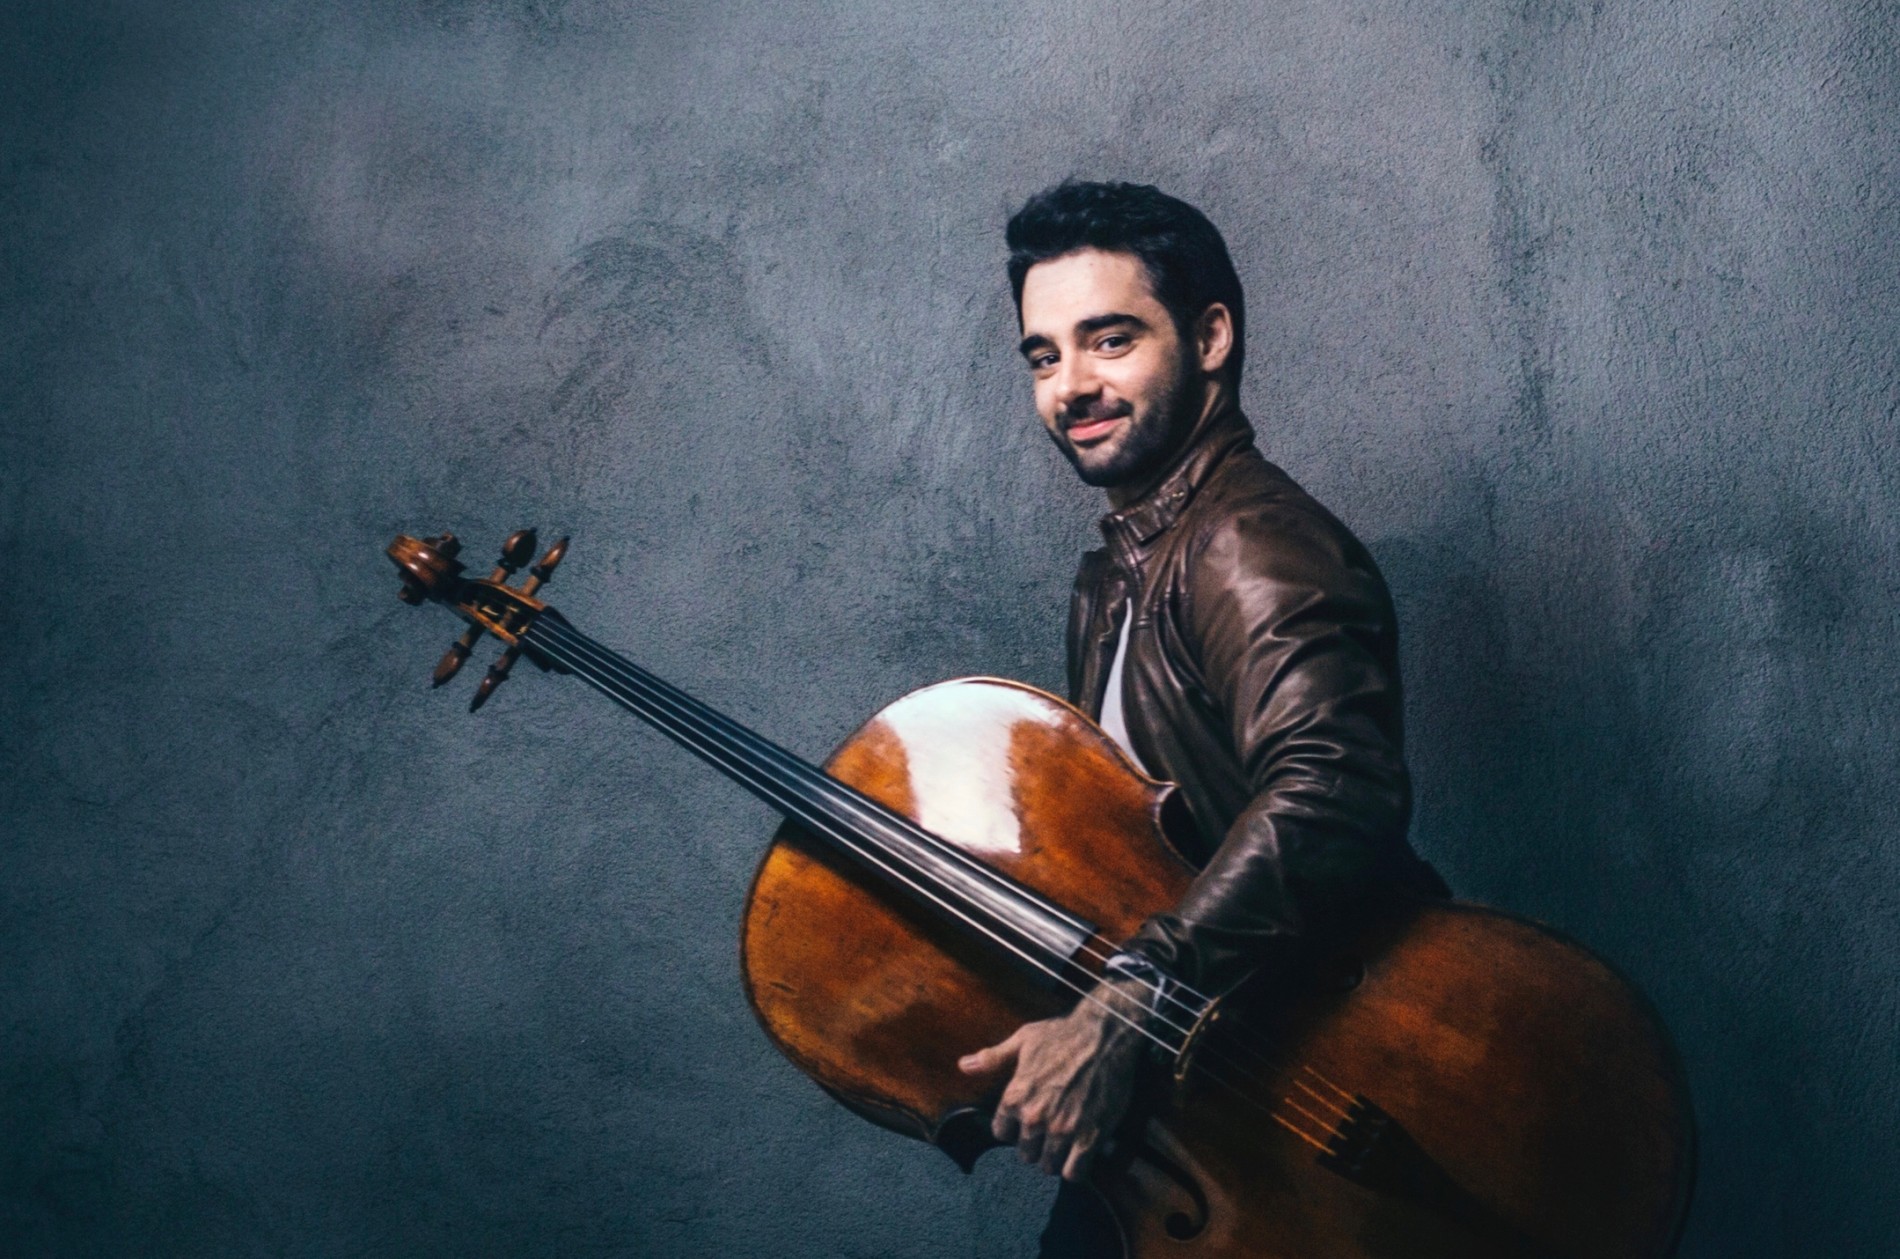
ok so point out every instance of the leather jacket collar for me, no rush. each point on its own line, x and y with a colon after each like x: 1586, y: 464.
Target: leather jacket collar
x: 1129, y: 529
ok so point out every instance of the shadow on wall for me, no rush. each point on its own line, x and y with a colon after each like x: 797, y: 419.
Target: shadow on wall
x: 1646, y: 738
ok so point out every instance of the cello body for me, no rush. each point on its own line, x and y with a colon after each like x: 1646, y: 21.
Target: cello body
x: 1449, y: 1082
x: 1454, y: 1081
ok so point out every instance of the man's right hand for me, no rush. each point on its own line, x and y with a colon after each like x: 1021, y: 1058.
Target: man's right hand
x: 1072, y: 1079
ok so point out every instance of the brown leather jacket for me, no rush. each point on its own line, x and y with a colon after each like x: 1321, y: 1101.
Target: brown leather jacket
x: 1262, y: 677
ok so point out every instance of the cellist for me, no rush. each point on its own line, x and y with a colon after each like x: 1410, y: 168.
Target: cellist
x: 1232, y: 635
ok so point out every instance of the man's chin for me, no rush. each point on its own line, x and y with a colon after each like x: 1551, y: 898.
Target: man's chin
x: 1104, y: 466
x: 1104, y: 478
x: 1118, y: 460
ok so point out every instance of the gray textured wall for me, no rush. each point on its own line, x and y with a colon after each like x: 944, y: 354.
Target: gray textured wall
x: 1583, y: 316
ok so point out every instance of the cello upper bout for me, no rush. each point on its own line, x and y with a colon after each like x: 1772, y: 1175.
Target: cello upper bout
x: 875, y: 998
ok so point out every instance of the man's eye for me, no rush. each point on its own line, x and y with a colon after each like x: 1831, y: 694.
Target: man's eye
x: 1113, y: 341
x: 1040, y: 361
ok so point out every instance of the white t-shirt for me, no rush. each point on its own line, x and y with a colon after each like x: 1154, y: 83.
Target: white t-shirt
x: 1112, y: 719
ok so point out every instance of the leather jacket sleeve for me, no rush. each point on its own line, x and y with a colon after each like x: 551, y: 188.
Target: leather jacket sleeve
x: 1296, y: 644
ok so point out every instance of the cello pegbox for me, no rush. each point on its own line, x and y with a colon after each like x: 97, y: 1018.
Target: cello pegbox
x: 538, y: 576
x: 432, y: 574
x: 516, y: 551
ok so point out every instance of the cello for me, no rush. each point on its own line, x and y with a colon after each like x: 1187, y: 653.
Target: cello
x: 1450, y: 1081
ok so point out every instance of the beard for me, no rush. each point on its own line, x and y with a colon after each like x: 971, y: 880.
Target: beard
x: 1147, y: 443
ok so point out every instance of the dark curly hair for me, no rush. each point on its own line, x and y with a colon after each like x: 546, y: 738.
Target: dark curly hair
x: 1183, y: 254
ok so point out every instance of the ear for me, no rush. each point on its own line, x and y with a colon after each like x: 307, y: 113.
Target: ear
x: 1214, y: 337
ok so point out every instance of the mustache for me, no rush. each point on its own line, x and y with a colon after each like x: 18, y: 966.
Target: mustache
x: 1092, y: 411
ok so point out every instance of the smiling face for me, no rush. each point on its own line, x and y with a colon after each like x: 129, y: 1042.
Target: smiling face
x: 1117, y: 386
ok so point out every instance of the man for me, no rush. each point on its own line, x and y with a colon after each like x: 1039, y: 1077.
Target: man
x: 1233, y: 636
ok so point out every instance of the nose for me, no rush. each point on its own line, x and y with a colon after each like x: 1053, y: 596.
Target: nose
x: 1075, y: 381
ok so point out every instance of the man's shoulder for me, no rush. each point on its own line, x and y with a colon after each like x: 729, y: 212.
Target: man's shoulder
x: 1089, y: 572
x: 1252, y: 502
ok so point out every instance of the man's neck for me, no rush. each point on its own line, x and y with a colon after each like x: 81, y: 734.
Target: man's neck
x: 1215, y: 398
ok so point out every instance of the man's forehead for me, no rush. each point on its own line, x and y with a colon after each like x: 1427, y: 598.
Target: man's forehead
x: 1084, y: 283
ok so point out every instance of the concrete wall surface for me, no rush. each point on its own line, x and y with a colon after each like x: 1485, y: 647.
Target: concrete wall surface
x: 1582, y: 315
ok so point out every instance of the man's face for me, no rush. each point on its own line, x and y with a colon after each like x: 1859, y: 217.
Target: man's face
x: 1115, y: 382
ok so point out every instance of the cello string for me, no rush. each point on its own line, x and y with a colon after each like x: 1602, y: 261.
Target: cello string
x: 1175, y: 1013
x: 779, y: 794
x: 786, y: 802
x: 870, y: 815
x: 840, y: 797
x: 656, y: 696
x: 685, y: 707
x: 775, y: 795
x: 1192, y: 1005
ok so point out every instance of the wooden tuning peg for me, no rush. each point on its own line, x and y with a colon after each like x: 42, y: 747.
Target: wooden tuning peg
x: 516, y: 551
x: 457, y: 654
x: 543, y: 573
x: 492, y: 680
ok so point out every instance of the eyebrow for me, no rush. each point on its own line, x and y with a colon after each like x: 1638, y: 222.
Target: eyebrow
x: 1086, y: 327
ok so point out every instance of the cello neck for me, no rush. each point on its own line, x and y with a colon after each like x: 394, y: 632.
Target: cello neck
x: 1042, y: 935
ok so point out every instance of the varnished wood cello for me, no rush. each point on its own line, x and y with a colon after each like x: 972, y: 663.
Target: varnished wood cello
x: 1454, y: 1082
